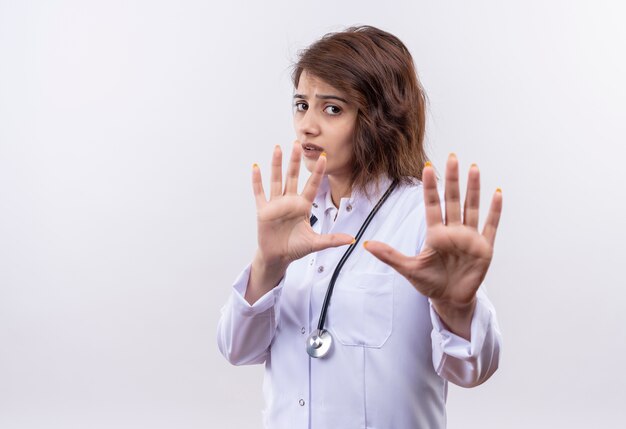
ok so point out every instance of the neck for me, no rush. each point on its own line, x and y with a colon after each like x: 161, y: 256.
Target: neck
x: 339, y: 188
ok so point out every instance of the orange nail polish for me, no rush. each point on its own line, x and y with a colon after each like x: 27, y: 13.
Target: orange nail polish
x: 365, y: 243
x: 453, y: 154
x: 353, y: 241
x: 473, y: 165
x: 255, y: 165
x: 428, y: 164
x: 323, y: 154
x: 499, y: 190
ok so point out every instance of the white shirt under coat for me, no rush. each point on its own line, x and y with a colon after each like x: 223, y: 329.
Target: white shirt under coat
x: 391, y: 357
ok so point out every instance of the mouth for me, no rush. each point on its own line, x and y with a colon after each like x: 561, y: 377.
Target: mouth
x: 311, y: 151
x: 311, y: 148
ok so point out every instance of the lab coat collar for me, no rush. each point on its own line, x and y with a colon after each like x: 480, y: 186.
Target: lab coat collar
x: 357, y: 200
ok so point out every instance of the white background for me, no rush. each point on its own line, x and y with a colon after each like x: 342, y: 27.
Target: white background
x: 127, y: 134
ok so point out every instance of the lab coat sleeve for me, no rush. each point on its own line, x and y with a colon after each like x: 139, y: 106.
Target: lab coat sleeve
x: 245, y: 331
x: 462, y: 362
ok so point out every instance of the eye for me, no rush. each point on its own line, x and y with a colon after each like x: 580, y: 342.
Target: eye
x: 300, y: 106
x: 332, y: 110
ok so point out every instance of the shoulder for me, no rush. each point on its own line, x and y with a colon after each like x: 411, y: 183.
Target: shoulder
x: 411, y: 190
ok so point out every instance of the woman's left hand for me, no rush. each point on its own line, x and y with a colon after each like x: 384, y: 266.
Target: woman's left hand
x: 455, y: 256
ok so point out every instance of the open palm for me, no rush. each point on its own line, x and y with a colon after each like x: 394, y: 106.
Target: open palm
x: 456, y: 256
x: 283, y: 229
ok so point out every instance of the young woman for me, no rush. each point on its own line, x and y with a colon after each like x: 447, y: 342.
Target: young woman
x: 363, y: 301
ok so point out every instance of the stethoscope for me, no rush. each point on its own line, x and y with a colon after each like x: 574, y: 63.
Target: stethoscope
x: 320, y: 341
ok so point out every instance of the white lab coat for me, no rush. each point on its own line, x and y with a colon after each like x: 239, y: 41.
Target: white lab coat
x: 391, y: 357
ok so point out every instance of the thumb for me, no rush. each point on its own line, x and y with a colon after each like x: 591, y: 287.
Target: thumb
x: 390, y: 256
x: 331, y: 240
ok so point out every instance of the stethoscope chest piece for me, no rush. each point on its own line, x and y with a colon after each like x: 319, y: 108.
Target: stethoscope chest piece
x: 318, y: 343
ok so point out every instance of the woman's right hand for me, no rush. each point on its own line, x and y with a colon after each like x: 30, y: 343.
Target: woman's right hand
x: 283, y: 229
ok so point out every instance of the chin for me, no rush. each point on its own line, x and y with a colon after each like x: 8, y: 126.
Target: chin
x: 309, y: 164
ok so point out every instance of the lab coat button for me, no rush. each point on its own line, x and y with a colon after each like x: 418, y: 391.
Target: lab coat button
x: 320, y: 269
x: 301, y: 402
x: 349, y: 208
x: 303, y: 330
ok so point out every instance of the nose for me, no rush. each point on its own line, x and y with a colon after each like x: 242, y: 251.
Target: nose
x: 307, y: 124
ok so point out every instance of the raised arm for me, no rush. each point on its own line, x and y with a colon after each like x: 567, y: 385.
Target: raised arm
x: 450, y: 269
x: 284, y: 234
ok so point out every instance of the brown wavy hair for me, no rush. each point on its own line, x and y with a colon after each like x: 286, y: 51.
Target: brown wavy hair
x: 376, y: 71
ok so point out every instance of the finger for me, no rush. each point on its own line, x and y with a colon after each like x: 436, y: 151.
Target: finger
x: 276, y: 181
x: 257, y: 186
x: 452, y: 194
x: 310, y: 189
x: 293, y: 171
x: 472, y: 198
x: 431, y: 196
x: 390, y: 256
x: 331, y: 240
x: 493, y: 218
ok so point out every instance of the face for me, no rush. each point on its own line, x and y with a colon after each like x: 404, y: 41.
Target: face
x: 324, y: 121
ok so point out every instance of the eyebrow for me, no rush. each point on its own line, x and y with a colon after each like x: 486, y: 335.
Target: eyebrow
x: 322, y: 97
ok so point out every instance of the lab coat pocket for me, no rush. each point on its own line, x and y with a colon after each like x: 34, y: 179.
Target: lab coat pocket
x: 361, y: 309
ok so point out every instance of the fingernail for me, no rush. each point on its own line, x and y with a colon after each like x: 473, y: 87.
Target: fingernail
x: 365, y: 243
x: 453, y: 154
x: 255, y: 165
x: 277, y: 146
x: 499, y: 190
x: 428, y: 164
x: 323, y: 154
x: 473, y: 165
x: 353, y: 241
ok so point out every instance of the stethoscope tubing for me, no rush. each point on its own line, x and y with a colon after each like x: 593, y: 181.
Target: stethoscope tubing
x: 346, y: 255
